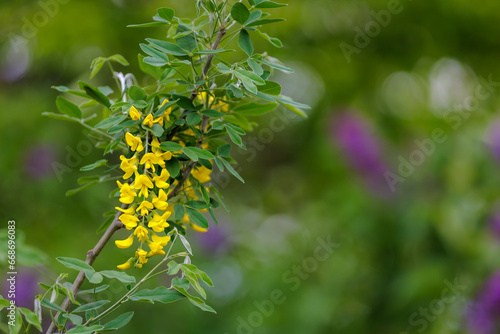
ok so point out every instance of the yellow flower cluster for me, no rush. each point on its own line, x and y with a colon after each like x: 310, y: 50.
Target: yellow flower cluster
x: 146, y: 193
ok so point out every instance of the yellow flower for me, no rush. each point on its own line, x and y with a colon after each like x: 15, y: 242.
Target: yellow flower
x: 134, y: 114
x: 150, y: 159
x: 161, y: 181
x: 185, y: 219
x: 198, y: 228
x: 144, y: 206
x: 124, y: 266
x: 127, y: 194
x: 125, y: 243
x: 129, y: 166
x: 129, y: 211
x: 167, y: 112
x: 129, y: 221
x: 143, y: 182
x: 202, y: 174
x: 141, y: 233
x: 148, y: 121
x: 135, y: 143
x: 157, y: 245
x: 160, y: 202
x: 141, y: 257
x: 159, y: 223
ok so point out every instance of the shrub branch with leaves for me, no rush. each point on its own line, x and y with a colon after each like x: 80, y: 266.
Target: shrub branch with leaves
x: 171, y: 136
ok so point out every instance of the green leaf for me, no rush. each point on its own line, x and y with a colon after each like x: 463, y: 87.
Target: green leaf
x: 137, y: 93
x: 77, y: 190
x: 157, y: 129
x: 252, y: 76
x: 213, y: 113
x: 223, y: 150
x: 75, y: 264
x: 186, y: 244
x: 199, y: 152
x: 173, y: 268
x: 96, y: 66
x: 255, y: 109
x: 166, y: 13
x: 119, y: 322
x: 154, y: 53
x: 147, y: 25
x: 149, y: 69
x: 248, y: 83
x: 179, y: 211
x: 197, y: 217
x: 95, y: 165
x: 223, y: 68
x: 31, y: 318
x: 92, y: 291
x: 254, y: 16
x: 236, y: 91
x: 198, y: 273
x: 264, y: 21
x: 170, y: 146
x: 245, y: 42
x: 160, y: 294
x: 108, y: 122
x: 199, y: 205
x: 18, y: 323
x: 240, y: 12
x: 234, y: 136
x: 193, y: 118
x: 119, y: 275
x: 119, y: 127
x: 156, y: 62
x: 231, y: 170
x: 52, y: 306
x: 75, y: 319
x: 270, y: 87
x: 93, y: 277
x: 91, y: 306
x: 84, y: 329
x: 172, y: 167
x: 182, y: 283
x: 117, y: 58
x: 269, y: 4
x: 67, y: 292
x: 95, y: 94
x: 273, y: 40
x: 190, y: 153
x: 61, y: 117
x: 275, y: 65
x: 255, y: 67
x: 167, y: 47
x: 68, y: 108
x: 195, y: 300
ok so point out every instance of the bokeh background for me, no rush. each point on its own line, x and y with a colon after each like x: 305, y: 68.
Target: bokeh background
x: 377, y: 214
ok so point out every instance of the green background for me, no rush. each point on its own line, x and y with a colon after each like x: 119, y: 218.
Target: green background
x: 396, y: 250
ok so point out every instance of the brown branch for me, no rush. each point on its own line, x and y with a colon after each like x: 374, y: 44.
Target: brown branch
x: 91, y: 256
x: 116, y: 224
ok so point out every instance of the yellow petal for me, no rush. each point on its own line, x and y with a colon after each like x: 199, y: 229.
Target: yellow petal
x: 123, y: 244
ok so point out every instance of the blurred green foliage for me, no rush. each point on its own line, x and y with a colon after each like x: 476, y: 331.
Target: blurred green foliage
x: 395, y: 251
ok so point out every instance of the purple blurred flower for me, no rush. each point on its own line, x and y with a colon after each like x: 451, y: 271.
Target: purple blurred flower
x: 484, y: 312
x: 26, y: 288
x: 361, y: 148
x: 216, y: 239
x: 495, y: 223
x: 494, y: 139
x: 38, y: 161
